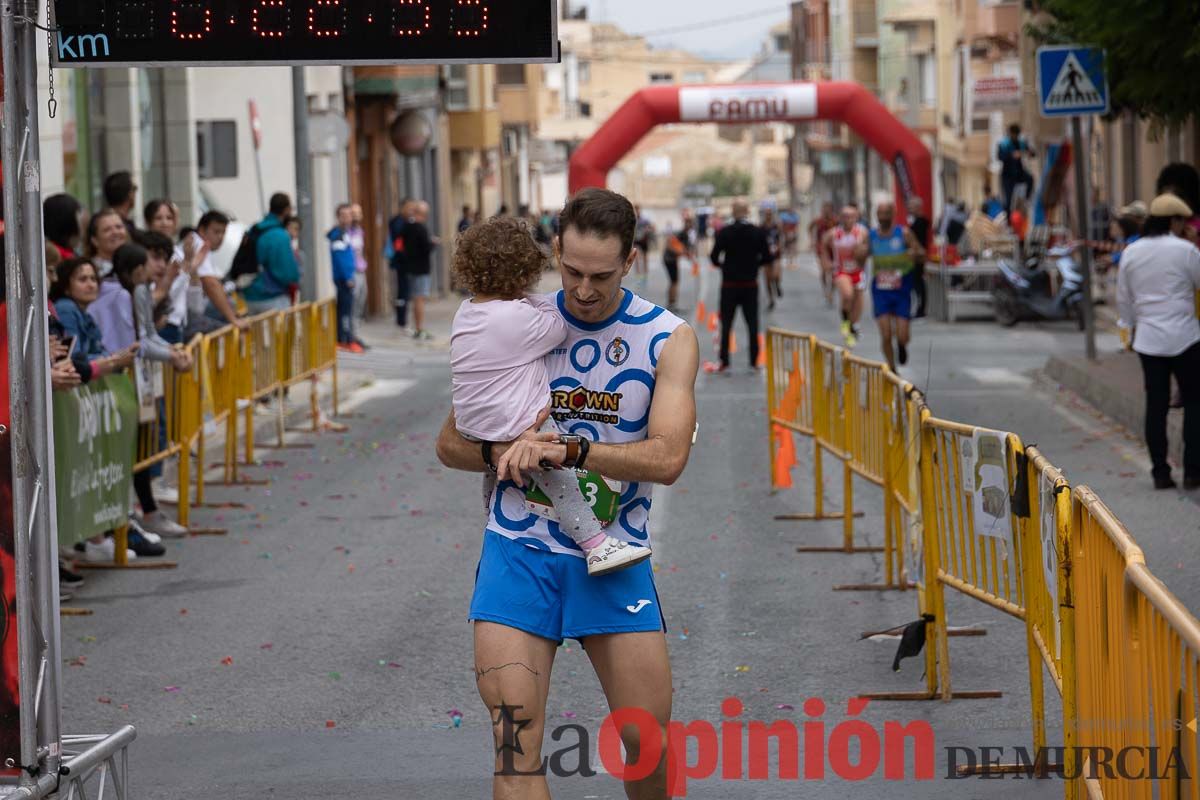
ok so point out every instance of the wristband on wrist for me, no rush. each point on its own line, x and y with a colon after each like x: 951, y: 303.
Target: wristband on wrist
x: 485, y: 449
x: 585, y: 447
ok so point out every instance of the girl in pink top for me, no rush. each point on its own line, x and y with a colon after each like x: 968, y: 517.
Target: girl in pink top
x: 500, y: 383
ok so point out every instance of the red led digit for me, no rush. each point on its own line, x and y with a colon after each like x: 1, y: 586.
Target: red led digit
x: 411, y: 17
x: 327, y: 18
x: 468, y: 18
x: 270, y: 18
x: 191, y: 20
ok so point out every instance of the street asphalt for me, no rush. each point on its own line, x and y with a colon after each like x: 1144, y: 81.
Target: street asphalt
x: 318, y: 649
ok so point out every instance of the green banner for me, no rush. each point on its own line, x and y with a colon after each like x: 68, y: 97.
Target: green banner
x: 95, y: 433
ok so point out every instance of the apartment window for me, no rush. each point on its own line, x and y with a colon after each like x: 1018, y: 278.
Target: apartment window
x: 585, y: 109
x: 510, y: 74
x: 981, y: 125
x: 216, y: 148
x: 927, y: 79
x: 662, y: 77
x: 585, y: 72
x: 782, y: 43
x: 457, y: 95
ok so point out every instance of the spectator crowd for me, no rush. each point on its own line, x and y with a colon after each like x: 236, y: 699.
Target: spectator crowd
x: 128, y: 293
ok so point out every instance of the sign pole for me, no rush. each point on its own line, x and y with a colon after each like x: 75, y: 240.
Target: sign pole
x: 35, y: 544
x: 1083, y: 216
x: 304, y: 200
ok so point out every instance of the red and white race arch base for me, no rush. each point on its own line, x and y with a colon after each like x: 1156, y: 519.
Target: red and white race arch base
x: 750, y: 103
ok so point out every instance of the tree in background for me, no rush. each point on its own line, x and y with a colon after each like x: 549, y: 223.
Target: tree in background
x: 725, y: 181
x: 1153, y: 50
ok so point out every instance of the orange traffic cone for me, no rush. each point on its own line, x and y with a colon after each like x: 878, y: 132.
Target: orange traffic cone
x: 762, y: 351
x: 733, y: 348
x: 713, y: 321
x: 701, y: 312
x: 695, y: 268
x: 785, y: 459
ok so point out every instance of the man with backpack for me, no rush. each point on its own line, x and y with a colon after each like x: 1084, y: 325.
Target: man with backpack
x: 274, y: 260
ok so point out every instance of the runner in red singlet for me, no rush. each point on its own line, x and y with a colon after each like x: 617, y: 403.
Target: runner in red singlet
x: 839, y: 254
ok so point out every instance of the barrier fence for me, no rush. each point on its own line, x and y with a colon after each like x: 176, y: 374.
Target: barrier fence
x: 232, y: 371
x: 975, y: 511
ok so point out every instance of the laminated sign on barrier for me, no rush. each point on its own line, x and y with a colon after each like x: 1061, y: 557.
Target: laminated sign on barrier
x: 95, y: 434
x: 985, y: 479
x: 1048, y: 530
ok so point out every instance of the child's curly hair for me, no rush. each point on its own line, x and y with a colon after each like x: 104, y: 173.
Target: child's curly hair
x: 499, y: 257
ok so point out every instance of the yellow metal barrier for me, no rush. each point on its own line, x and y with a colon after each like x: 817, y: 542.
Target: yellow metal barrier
x: 1133, y: 633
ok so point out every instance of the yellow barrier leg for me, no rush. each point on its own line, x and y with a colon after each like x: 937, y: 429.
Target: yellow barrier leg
x: 250, y: 432
x: 848, y: 506
x: 819, y: 482
x: 336, y: 412
x: 314, y: 404
x: 200, y: 466
x: 121, y: 546
x: 185, y: 488
x: 279, y: 420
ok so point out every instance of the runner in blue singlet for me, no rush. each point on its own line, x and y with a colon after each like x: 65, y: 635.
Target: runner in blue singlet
x: 893, y: 250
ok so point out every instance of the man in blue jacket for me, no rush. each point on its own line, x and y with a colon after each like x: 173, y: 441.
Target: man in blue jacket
x: 341, y: 253
x: 278, y: 268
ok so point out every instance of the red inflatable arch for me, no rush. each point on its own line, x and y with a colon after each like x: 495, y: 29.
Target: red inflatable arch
x: 749, y: 103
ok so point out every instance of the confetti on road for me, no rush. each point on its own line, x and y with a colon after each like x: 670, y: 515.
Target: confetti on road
x: 786, y: 707
x: 743, y: 668
x: 456, y: 717
x: 227, y: 661
x: 170, y: 688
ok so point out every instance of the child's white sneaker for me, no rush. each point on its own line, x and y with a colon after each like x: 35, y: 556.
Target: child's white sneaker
x: 612, y: 555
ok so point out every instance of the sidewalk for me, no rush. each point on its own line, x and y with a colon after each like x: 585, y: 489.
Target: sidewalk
x: 1113, y: 385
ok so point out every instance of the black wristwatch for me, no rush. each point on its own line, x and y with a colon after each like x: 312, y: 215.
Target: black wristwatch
x: 486, y: 449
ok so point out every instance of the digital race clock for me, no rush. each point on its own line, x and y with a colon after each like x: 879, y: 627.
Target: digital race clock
x: 216, y: 32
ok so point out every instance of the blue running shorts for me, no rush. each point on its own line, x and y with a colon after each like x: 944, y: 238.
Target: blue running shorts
x: 552, y: 596
x: 896, y: 302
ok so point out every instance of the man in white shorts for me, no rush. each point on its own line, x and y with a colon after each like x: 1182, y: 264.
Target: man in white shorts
x: 624, y: 379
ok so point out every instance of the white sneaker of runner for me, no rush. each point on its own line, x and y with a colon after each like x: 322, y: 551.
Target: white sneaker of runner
x: 612, y: 555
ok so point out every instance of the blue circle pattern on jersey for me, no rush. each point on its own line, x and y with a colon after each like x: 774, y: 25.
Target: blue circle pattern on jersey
x: 579, y: 367
x: 556, y: 533
x: 587, y: 428
x: 565, y: 382
x: 641, y: 502
x: 656, y: 346
x: 513, y: 525
x: 644, y: 319
x: 536, y: 544
x: 619, y: 380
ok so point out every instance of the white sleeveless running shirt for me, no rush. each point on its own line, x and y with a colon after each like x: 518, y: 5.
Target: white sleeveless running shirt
x: 601, y: 380
x: 845, y: 242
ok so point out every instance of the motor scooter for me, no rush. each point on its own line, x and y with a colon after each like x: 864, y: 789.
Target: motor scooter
x: 1024, y: 292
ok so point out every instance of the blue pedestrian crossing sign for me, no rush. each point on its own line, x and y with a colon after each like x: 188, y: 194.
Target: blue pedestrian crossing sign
x: 1072, y: 81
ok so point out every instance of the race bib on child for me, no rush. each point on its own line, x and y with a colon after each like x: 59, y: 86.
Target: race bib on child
x: 603, y: 495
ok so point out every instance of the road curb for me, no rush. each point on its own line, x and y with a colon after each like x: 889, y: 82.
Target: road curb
x: 1103, y: 389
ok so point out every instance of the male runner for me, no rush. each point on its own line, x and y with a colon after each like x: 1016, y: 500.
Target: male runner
x: 679, y: 245
x: 740, y: 251
x: 637, y: 363
x: 816, y: 234
x: 894, y: 251
x: 840, y: 256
